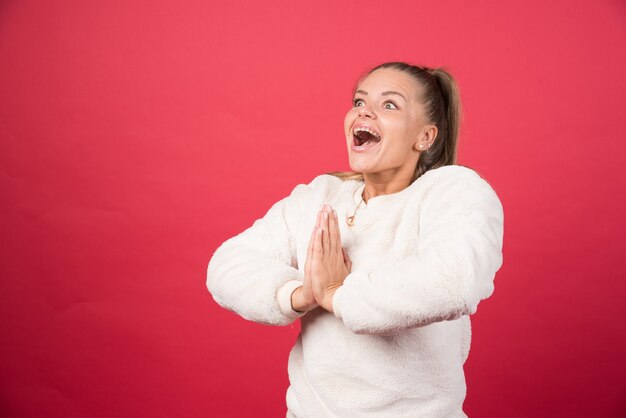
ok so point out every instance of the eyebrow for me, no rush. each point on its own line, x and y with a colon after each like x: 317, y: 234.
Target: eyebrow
x: 384, y: 93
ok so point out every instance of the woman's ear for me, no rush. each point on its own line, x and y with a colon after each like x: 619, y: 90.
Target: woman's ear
x: 426, y: 138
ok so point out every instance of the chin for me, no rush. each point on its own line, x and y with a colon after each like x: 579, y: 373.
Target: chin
x: 359, y: 167
x: 363, y: 162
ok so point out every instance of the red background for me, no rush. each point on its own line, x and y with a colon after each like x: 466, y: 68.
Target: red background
x: 138, y: 136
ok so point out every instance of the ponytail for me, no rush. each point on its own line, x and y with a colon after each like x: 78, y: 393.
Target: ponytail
x: 443, y: 107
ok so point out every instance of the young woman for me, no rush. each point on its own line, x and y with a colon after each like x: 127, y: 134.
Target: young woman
x: 382, y: 265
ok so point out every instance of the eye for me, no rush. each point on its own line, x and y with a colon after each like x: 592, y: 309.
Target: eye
x: 390, y: 105
x: 357, y: 102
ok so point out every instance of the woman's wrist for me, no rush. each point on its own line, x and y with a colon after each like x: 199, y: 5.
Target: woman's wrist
x: 327, y: 301
x: 297, y: 304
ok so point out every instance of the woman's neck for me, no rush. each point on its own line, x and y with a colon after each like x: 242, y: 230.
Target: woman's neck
x: 377, y: 184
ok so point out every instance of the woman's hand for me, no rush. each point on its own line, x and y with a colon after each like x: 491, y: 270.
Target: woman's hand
x: 331, y: 264
x: 303, y: 299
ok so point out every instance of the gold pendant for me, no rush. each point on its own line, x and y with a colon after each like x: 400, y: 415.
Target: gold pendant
x: 350, y: 220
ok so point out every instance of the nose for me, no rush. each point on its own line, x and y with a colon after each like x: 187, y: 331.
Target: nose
x: 364, y: 111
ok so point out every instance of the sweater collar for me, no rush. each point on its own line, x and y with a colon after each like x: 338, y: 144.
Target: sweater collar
x: 373, y: 201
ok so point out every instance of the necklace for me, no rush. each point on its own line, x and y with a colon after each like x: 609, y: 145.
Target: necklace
x: 350, y: 220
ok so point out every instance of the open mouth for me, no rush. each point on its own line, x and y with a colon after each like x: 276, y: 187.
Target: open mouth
x: 365, y: 137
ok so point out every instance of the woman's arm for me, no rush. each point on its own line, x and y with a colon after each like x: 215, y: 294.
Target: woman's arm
x: 255, y: 273
x: 459, y: 251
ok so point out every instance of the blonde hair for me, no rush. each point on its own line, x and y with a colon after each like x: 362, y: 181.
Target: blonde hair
x: 443, y: 108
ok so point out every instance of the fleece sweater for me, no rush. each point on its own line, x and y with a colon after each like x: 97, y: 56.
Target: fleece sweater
x: 422, y: 260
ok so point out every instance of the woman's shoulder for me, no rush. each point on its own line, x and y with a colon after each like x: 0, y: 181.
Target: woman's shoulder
x: 321, y: 187
x: 457, y: 185
x: 450, y: 173
x: 454, y: 177
x: 325, y: 181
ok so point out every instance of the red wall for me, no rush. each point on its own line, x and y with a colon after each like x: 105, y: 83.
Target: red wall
x: 137, y: 136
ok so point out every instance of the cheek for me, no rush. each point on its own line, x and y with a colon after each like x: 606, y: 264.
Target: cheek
x: 395, y: 126
x: 401, y: 132
x: 408, y: 127
x: 348, y: 121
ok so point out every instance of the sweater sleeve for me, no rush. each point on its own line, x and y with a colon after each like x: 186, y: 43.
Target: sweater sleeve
x: 254, y: 273
x: 459, y: 250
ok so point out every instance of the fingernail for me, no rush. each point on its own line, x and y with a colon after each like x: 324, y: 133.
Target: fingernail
x: 325, y: 215
x: 334, y: 214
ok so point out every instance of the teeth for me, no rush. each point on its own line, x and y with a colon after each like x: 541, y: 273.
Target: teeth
x: 368, y: 130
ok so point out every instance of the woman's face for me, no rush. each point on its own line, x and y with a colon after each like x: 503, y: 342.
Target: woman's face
x: 387, y: 124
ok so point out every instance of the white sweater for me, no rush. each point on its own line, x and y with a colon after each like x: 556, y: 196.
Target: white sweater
x: 422, y: 260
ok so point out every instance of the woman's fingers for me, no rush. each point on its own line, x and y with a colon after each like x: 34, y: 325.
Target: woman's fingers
x: 309, y: 253
x: 335, y: 239
x: 325, y: 235
x: 330, y: 235
x: 346, y: 259
x: 331, y: 232
x: 330, y: 238
x: 318, y: 250
x: 329, y: 260
x: 318, y: 221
